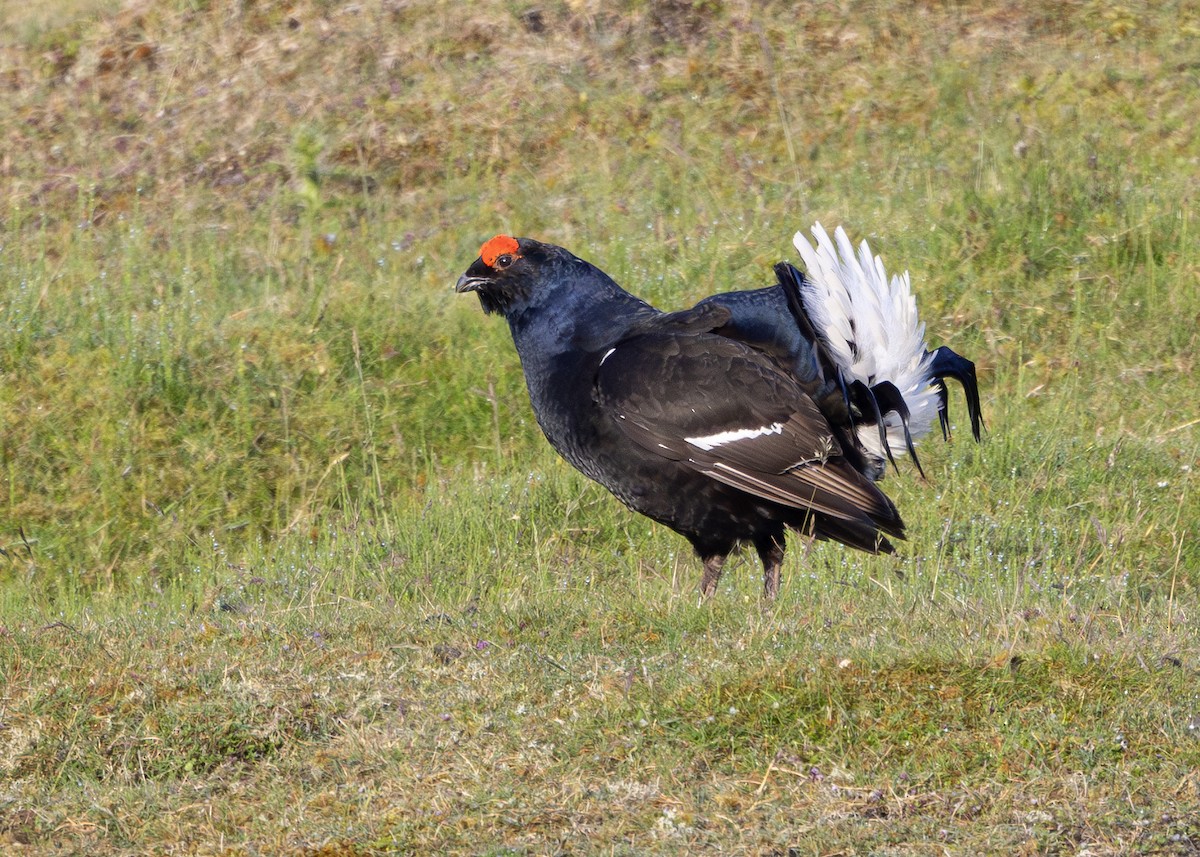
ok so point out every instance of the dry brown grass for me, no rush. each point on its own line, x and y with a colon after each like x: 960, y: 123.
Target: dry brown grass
x: 125, y: 112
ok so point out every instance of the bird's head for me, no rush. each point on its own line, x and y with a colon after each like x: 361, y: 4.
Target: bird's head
x: 543, y: 288
x: 506, y: 273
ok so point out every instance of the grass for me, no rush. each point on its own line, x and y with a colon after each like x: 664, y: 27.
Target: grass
x: 286, y: 567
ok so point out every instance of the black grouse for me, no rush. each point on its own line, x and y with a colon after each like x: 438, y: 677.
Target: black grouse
x: 752, y: 412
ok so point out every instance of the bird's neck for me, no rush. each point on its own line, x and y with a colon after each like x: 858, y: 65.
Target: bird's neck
x: 585, y: 319
x: 561, y: 345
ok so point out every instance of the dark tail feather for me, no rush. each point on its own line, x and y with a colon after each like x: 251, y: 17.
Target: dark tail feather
x: 947, y: 364
x: 790, y: 279
x: 943, y: 407
x: 868, y: 406
x: 874, y: 402
x: 889, y: 399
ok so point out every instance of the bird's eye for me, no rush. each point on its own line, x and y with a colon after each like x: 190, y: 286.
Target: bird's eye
x: 503, y: 261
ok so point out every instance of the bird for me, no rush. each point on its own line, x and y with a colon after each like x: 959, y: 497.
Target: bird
x: 752, y: 413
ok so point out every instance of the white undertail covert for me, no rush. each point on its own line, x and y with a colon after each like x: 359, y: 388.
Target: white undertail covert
x: 870, y: 326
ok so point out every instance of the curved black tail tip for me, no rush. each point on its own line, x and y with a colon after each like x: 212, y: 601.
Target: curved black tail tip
x: 889, y: 399
x: 947, y: 364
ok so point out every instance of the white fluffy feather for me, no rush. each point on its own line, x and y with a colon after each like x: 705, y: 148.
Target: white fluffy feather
x: 851, y: 300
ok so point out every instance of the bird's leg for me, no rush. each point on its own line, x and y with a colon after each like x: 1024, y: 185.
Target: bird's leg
x: 770, y: 551
x: 712, y: 573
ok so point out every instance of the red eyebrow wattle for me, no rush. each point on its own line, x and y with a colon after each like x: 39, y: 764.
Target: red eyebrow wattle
x: 496, y: 247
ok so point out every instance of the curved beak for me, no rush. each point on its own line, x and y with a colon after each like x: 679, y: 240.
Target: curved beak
x: 477, y: 275
x: 468, y: 284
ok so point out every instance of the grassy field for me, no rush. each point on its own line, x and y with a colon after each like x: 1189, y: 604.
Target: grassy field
x: 287, y: 568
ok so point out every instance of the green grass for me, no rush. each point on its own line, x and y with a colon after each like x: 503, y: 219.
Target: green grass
x: 286, y: 566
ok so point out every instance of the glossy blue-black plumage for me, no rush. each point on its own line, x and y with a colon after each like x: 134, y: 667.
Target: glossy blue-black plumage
x: 720, y: 422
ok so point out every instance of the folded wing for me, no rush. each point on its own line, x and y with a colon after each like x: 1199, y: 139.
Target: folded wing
x: 723, y: 409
